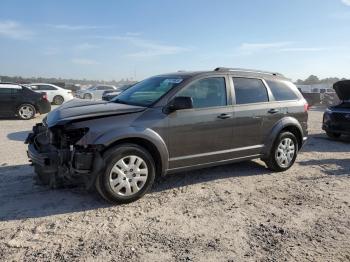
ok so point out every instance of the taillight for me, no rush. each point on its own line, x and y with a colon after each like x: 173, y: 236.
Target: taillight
x: 306, y: 107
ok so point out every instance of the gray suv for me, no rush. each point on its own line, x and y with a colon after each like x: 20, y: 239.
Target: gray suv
x: 170, y: 123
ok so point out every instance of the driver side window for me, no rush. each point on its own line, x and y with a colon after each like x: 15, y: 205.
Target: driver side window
x: 208, y: 92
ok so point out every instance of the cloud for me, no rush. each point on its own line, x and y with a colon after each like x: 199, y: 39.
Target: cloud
x: 254, y: 48
x: 303, y: 49
x: 251, y: 48
x: 84, y: 61
x: 85, y: 46
x: 76, y: 27
x: 155, y: 49
x: 15, y: 30
x: 148, y: 48
x: 346, y: 2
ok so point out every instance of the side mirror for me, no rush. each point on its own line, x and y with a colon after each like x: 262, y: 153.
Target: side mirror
x: 179, y: 103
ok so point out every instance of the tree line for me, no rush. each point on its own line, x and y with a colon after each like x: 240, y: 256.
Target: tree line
x: 312, y: 80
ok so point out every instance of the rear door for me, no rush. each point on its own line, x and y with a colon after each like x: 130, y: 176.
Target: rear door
x: 202, y: 134
x: 251, y: 103
x: 7, y: 101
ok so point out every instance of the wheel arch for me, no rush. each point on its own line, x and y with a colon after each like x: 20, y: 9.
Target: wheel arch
x: 289, y: 124
x: 148, y: 139
x: 88, y: 93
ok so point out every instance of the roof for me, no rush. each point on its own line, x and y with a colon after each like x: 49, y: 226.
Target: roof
x: 234, y: 71
x: 10, y: 85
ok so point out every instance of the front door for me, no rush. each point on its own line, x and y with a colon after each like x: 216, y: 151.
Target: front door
x: 202, y: 134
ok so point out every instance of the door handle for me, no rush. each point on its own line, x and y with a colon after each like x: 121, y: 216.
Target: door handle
x: 224, y: 116
x: 273, y: 111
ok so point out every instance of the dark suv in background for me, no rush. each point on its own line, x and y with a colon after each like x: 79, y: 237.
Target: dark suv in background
x: 170, y: 123
x: 336, y: 119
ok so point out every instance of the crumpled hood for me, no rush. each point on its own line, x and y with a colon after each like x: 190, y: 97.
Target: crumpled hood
x: 79, y: 109
x: 342, y: 88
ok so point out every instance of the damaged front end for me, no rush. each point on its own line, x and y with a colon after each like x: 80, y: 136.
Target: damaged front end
x: 59, y: 159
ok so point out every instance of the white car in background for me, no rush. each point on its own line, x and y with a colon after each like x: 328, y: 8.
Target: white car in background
x: 55, y: 94
x: 94, y: 92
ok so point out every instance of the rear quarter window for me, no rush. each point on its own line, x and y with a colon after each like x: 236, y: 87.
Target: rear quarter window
x: 281, y: 90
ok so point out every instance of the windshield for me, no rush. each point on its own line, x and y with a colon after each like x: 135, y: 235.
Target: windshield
x: 148, y: 91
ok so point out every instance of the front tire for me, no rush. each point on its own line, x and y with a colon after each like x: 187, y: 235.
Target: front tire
x: 26, y: 111
x: 333, y: 135
x: 283, y: 153
x: 129, y: 174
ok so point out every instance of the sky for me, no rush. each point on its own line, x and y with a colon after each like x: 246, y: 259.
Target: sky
x: 110, y: 40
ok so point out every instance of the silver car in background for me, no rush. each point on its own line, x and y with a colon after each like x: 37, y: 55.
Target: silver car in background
x: 94, y: 92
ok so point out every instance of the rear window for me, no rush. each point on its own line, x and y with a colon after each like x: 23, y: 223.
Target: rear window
x: 249, y: 90
x: 281, y: 91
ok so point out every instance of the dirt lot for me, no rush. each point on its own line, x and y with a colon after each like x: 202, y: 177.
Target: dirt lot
x: 238, y: 212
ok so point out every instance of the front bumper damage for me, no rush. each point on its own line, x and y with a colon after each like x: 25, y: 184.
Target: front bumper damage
x: 58, y: 161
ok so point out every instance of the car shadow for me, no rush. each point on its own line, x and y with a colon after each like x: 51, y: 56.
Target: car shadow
x: 322, y: 143
x: 9, y: 118
x: 332, y: 167
x: 20, y: 198
x: 18, y: 136
x: 247, y: 168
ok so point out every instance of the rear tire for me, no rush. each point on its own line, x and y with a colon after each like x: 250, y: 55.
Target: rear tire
x: 58, y: 100
x: 283, y: 152
x: 333, y: 135
x: 129, y: 174
x: 26, y: 111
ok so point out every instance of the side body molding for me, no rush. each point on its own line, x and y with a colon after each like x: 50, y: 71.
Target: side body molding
x: 281, y: 124
x: 148, y: 134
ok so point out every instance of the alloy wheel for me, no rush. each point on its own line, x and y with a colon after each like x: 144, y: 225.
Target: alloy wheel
x: 285, y: 152
x: 26, y: 112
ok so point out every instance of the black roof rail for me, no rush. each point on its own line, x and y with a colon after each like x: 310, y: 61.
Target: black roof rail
x: 227, y: 69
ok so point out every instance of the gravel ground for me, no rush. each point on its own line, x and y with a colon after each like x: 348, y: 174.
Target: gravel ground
x: 237, y: 212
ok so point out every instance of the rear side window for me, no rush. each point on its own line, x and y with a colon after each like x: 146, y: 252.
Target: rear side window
x: 208, y: 92
x: 43, y: 87
x: 249, y: 90
x: 281, y: 91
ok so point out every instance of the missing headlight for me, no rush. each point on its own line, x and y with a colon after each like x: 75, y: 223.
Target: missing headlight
x: 73, y: 136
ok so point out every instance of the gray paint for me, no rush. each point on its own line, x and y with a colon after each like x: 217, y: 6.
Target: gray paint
x: 191, y: 138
